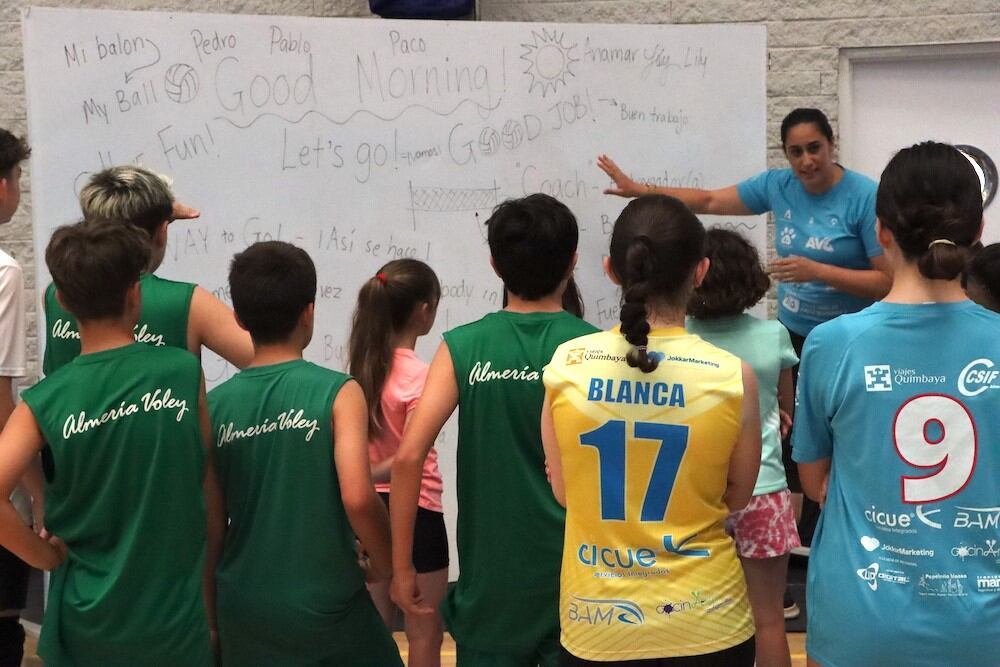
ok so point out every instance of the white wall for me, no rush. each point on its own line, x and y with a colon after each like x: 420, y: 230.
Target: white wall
x: 901, y: 97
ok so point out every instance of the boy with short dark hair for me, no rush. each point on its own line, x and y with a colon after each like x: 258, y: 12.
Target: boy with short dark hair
x: 504, y: 609
x: 124, y: 429
x: 292, y: 451
x: 27, y: 497
x: 174, y: 314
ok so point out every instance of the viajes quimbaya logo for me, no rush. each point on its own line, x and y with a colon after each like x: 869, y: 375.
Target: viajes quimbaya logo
x: 878, y: 378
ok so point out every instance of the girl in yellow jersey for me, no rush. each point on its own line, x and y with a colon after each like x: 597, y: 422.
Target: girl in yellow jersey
x: 652, y: 437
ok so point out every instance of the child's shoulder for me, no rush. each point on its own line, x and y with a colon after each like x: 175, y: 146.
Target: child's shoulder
x: 167, y: 354
x: 151, y: 279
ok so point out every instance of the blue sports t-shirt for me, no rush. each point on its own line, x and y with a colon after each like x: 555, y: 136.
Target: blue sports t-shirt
x: 905, y: 564
x: 836, y: 227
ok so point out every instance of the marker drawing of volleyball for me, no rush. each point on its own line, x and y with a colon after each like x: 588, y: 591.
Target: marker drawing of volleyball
x: 181, y: 83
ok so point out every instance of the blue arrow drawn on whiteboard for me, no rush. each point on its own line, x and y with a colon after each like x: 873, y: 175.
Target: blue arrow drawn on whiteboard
x: 131, y: 73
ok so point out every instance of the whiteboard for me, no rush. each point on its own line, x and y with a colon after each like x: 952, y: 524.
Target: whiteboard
x: 901, y: 96
x: 367, y: 140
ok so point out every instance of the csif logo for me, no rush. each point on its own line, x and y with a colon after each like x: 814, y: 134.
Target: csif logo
x: 977, y: 377
x: 594, y: 611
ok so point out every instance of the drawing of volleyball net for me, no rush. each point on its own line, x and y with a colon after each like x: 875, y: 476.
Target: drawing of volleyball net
x: 435, y: 199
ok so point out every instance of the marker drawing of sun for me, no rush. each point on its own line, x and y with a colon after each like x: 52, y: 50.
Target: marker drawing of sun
x: 550, y: 60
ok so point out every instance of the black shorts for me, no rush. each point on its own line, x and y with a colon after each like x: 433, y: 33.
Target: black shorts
x: 741, y: 655
x: 430, y: 540
x: 791, y: 469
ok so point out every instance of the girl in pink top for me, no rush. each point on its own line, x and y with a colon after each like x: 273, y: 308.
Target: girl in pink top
x: 395, y: 307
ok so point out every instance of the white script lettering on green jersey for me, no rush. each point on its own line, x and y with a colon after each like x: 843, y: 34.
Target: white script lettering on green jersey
x: 483, y: 372
x: 66, y: 330
x: 154, y: 401
x: 285, y: 421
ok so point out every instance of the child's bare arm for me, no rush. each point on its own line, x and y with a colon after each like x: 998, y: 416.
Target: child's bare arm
x: 438, y: 401
x: 20, y: 443
x: 365, y: 511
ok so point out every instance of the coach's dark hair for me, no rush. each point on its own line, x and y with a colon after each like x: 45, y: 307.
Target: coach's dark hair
x: 93, y: 266
x: 930, y: 198
x: 735, y: 280
x: 656, y: 244
x: 386, y: 302
x: 271, y: 283
x: 532, y: 241
x: 806, y: 115
x: 13, y: 151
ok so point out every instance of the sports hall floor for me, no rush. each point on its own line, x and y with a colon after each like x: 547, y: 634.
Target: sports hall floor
x: 796, y: 641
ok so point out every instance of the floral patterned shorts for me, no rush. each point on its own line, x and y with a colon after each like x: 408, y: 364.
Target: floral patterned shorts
x: 765, y: 528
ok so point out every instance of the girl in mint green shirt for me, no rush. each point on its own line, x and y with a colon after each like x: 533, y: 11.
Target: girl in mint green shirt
x: 765, y: 530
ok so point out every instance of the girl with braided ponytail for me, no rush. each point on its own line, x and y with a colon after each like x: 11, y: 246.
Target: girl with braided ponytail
x: 395, y: 307
x: 895, y: 433
x: 652, y: 437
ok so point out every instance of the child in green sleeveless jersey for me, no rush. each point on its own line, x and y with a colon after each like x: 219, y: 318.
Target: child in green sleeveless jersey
x: 292, y: 450
x: 504, y: 608
x: 174, y: 314
x: 124, y: 428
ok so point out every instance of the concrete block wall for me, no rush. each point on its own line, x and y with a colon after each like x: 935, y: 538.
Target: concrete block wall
x: 804, y: 39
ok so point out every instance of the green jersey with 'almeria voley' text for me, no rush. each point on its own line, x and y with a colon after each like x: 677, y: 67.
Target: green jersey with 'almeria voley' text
x: 163, y: 321
x: 290, y: 590
x: 510, y: 528
x: 124, y: 491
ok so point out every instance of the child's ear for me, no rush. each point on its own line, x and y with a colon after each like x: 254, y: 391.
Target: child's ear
x: 308, y: 315
x: 883, y: 234
x: 610, y: 271
x: 160, y: 237
x: 239, y: 322
x: 700, y: 270
x: 572, y: 265
x: 133, y: 295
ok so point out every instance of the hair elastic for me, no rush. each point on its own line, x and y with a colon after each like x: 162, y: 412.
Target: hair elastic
x: 380, y: 277
x: 642, y: 349
x: 940, y: 242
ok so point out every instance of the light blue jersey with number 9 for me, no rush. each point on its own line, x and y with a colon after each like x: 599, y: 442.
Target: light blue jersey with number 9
x: 905, y: 564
